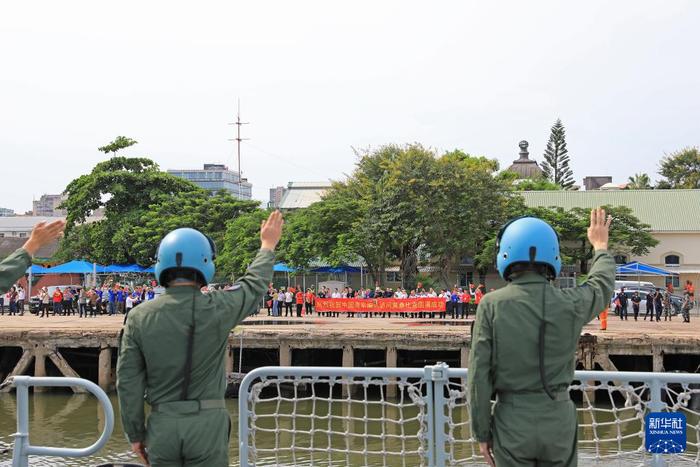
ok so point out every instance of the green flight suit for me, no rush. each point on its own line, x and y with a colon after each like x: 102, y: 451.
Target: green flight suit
x: 192, y: 432
x: 527, y: 427
x: 13, y: 267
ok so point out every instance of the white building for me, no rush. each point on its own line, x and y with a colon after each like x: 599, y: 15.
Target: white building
x: 14, y: 231
x: 217, y: 177
x: 299, y: 195
x: 47, y: 206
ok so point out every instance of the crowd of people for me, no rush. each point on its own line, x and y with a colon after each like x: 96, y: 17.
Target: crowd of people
x: 295, y: 301
x: 76, y: 300
x: 658, y: 302
x: 14, y: 300
x: 460, y: 302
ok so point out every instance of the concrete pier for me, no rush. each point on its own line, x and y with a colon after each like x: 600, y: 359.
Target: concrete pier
x: 104, y: 368
x: 40, y: 369
x: 72, y: 346
x: 348, y: 362
x: 391, y: 359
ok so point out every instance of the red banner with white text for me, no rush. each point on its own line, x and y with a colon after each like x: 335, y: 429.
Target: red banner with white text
x: 382, y: 305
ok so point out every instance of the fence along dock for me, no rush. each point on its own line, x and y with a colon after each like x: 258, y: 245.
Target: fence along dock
x: 87, y: 347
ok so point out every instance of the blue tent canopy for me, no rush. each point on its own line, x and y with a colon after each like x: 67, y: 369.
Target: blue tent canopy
x: 36, y: 269
x: 282, y: 267
x: 641, y: 269
x: 85, y: 267
x: 71, y: 267
x: 337, y: 270
x: 123, y: 268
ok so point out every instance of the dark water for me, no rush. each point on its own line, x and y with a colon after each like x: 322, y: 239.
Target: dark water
x: 65, y: 420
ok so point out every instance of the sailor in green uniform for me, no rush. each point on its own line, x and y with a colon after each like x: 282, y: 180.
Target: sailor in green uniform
x: 524, y: 343
x: 14, y: 266
x: 173, y: 351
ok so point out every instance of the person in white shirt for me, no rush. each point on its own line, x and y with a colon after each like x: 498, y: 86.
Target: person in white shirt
x: 20, y: 299
x: 44, y: 300
x: 288, y: 299
x: 128, y: 306
x: 280, y: 301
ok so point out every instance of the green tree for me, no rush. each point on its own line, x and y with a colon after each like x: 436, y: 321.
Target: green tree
x: 536, y: 184
x: 627, y: 234
x: 326, y: 231
x: 119, y: 185
x: 639, y: 182
x: 468, y: 201
x: 556, y: 158
x: 125, y: 188
x: 198, y: 210
x: 119, y: 143
x: 681, y: 169
x: 241, y: 242
x: 408, y: 192
x: 404, y: 204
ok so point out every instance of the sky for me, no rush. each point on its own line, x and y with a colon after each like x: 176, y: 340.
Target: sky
x: 319, y: 79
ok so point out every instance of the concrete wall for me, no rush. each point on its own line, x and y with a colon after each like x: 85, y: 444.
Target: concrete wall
x: 686, y: 245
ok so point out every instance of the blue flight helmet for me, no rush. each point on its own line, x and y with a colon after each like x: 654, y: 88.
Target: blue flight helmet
x: 186, y: 249
x: 527, y: 240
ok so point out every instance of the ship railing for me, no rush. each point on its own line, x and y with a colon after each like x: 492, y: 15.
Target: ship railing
x: 306, y: 416
x: 23, y: 449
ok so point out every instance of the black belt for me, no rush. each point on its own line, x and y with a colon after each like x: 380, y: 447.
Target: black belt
x: 188, y: 407
x: 536, y: 396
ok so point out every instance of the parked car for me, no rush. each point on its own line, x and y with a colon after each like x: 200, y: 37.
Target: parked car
x: 635, y: 285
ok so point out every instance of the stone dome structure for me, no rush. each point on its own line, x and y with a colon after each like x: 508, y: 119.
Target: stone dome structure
x: 524, y: 166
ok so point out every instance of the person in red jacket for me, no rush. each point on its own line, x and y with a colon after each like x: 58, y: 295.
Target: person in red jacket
x: 310, y: 301
x: 466, y: 303
x: 300, y: 302
x: 479, y: 294
x: 57, y: 301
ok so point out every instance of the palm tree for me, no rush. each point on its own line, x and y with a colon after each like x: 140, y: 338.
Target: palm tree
x: 639, y: 182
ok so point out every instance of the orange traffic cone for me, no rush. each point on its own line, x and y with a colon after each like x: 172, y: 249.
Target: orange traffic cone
x: 603, y: 320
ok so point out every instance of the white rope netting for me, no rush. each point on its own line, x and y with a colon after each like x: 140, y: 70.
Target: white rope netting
x: 327, y: 420
x: 313, y: 421
x: 610, y: 424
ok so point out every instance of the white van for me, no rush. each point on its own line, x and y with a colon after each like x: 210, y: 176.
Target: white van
x: 638, y: 285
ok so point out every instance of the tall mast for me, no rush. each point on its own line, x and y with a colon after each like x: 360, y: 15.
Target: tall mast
x: 238, y: 140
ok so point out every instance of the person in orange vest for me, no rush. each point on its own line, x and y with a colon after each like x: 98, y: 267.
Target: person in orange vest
x: 604, y: 320
x: 300, y: 302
